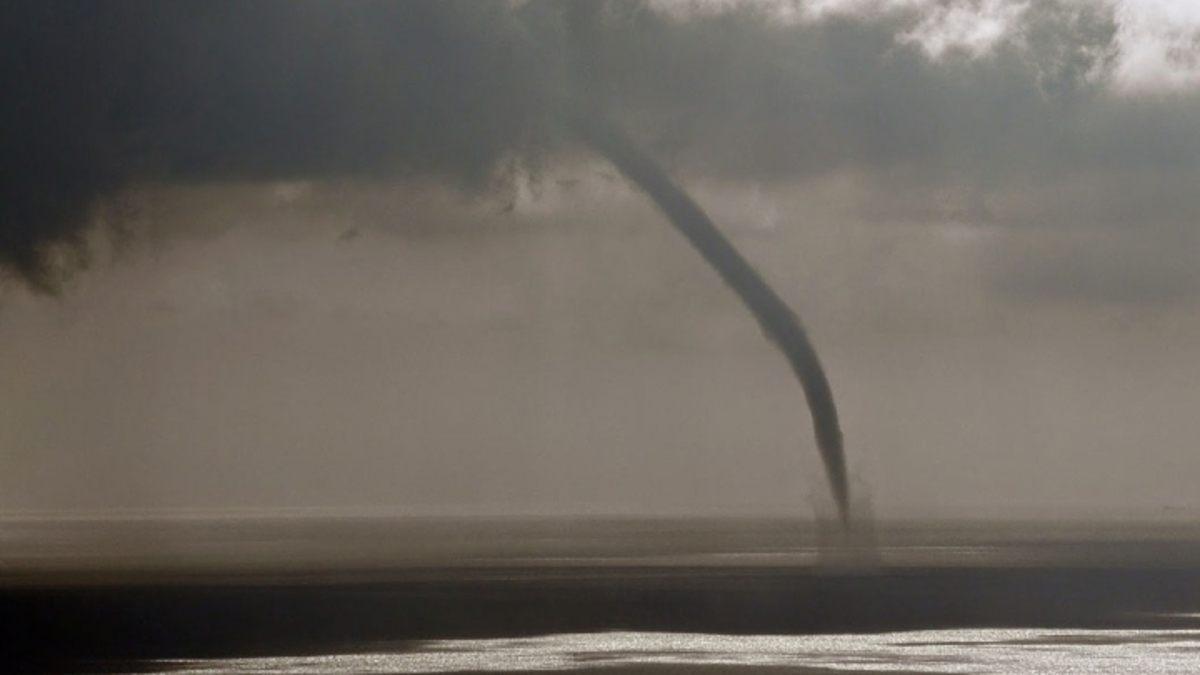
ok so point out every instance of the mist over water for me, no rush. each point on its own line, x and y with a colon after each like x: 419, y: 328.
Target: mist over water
x: 260, y: 369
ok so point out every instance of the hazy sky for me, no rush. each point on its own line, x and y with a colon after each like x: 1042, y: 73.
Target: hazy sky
x: 985, y: 213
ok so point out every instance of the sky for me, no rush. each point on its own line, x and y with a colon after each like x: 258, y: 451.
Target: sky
x: 411, y: 291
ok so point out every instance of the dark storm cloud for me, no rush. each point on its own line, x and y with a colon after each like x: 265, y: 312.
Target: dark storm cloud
x: 114, y: 94
x: 738, y: 97
x: 104, y: 95
x: 1032, y: 135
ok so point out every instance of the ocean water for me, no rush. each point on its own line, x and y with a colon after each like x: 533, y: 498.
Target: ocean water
x: 139, y: 588
x: 1001, y: 651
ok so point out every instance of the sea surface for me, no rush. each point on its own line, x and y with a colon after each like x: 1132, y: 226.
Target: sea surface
x: 1007, y: 651
x: 374, y: 588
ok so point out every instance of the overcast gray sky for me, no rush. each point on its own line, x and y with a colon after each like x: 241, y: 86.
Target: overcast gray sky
x: 985, y: 212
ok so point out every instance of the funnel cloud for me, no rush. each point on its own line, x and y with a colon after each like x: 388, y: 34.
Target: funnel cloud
x: 778, y: 322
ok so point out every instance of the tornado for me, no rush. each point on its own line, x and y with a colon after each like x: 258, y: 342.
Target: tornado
x: 778, y: 321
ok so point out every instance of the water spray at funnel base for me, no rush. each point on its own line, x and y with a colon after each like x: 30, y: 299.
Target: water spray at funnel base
x: 777, y: 320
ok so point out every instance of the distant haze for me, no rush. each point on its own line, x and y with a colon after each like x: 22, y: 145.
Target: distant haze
x: 986, y: 212
x: 579, y: 359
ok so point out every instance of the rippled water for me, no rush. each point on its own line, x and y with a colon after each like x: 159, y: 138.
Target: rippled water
x: 1007, y: 651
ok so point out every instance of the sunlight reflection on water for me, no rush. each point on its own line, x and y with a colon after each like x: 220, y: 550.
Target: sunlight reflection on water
x: 1009, y: 651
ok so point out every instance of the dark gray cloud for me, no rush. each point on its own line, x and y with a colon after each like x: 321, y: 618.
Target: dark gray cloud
x: 105, y: 95
x: 124, y: 92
